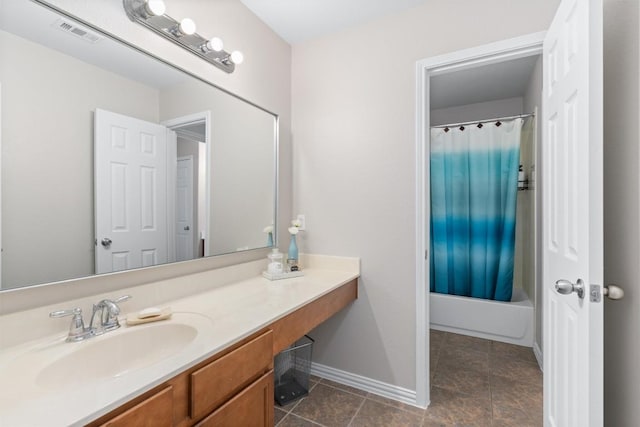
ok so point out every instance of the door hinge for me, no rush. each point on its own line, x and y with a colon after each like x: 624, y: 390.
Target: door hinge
x: 594, y: 293
x: 426, y: 254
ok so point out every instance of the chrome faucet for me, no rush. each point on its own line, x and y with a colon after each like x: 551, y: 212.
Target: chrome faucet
x: 108, y: 319
x: 77, y: 331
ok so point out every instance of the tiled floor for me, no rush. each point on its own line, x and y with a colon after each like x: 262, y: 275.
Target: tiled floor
x: 474, y: 382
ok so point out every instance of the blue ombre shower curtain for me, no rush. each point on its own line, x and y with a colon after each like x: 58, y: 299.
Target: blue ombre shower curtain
x: 474, y: 185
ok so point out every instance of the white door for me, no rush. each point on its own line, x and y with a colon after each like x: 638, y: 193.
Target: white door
x: 572, y: 219
x: 184, y: 209
x: 0, y: 187
x: 130, y: 192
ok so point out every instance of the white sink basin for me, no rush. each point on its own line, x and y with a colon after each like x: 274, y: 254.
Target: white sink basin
x: 114, y: 354
x: 135, y: 350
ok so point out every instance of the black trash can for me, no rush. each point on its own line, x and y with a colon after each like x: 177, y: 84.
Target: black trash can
x: 292, y: 368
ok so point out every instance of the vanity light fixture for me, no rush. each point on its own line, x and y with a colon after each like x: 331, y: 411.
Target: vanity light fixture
x: 215, y: 44
x: 154, y: 8
x: 151, y: 14
x: 186, y: 27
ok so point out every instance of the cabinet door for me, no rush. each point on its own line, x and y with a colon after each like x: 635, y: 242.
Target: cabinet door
x: 156, y: 411
x: 218, y: 381
x: 253, y: 407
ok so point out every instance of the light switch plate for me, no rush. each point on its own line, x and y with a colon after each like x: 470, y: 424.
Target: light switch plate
x: 303, y: 224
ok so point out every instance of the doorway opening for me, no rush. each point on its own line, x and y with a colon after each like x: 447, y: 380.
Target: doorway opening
x: 482, y: 188
x: 192, y: 179
x: 479, y: 87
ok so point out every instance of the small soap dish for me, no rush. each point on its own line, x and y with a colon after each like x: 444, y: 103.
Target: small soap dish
x: 278, y: 276
x: 152, y: 314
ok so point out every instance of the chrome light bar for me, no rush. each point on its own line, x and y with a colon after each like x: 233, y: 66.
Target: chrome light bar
x: 150, y: 13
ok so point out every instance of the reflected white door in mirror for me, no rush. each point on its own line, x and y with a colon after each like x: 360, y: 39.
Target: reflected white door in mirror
x: 53, y: 82
x: 132, y: 204
x: 146, y: 202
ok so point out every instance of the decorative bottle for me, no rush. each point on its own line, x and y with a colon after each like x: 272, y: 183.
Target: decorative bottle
x: 293, y: 248
x: 276, y: 265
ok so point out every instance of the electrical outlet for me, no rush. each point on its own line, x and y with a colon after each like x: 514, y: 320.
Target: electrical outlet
x: 303, y: 224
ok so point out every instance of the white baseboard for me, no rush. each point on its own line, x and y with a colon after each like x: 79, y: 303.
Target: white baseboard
x: 538, y: 353
x: 367, y: 384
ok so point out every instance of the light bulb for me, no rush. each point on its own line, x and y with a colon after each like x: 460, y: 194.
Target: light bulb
x: 237, y: 57
x: 215, y: 44
x: 155, y: 7
x: 187, y: 27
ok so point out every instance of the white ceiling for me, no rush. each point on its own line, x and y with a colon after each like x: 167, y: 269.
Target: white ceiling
x: 481, y: 84
x: 300, y: 20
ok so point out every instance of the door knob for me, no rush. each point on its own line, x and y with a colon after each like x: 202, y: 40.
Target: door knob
x: 186, y: 228
x: 565, y: 287
x: 613, y: 292
x: 106, y: 242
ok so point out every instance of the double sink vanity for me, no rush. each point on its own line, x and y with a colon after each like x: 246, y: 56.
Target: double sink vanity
x: 211, y: 363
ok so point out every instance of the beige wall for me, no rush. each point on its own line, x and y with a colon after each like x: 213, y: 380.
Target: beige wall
x: 354, y: 174
x: 47, y: 152
x: 478, y: 111
x: 186, y: 148
x: 532, y: 199
x: 242, y: 163
x: 267, y: 60
x: 524, y: 248
x: 622, y: 212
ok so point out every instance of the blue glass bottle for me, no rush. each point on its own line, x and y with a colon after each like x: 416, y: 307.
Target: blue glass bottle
x: 293, y: 248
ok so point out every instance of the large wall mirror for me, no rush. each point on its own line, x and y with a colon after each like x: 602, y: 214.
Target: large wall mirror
x: 113, y: 159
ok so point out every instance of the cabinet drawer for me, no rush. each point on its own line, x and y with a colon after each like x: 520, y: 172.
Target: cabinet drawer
x: 156, y: 411
x: 253, y: 407
x: 216, y: 382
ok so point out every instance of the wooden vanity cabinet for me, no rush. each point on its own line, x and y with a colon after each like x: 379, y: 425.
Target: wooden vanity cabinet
x: 155, y: 411
x: 236, y: 384
x: 234, y: 387
x: 253, y: 407
x: 216, y: 382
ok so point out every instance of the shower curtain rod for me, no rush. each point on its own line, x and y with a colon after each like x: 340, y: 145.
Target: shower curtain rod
x: 475, y: 122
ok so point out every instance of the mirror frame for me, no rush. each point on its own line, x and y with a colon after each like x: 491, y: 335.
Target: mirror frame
x: 160, y: 271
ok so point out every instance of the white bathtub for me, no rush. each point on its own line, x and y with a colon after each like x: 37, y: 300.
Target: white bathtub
x: 510, y: 322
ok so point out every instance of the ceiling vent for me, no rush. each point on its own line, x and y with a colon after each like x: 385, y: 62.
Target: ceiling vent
x: 72, y: 28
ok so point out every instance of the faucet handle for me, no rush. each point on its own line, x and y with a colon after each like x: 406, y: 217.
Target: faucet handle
x: 113, y: 309
x: 122, y: 298
x: 111, y: 312
x: 62, y: 313
x: 77, y: 331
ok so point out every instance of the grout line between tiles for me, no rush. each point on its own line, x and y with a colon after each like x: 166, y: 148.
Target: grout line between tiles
x: 303, y: 418
x: 489, y: 373
x: 357, y: 412
x: 290, y: 411
x: 492, y: 376
x: 343, y: 390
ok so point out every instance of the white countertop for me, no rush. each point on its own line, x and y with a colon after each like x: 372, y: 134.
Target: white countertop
x: 225, y: 315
